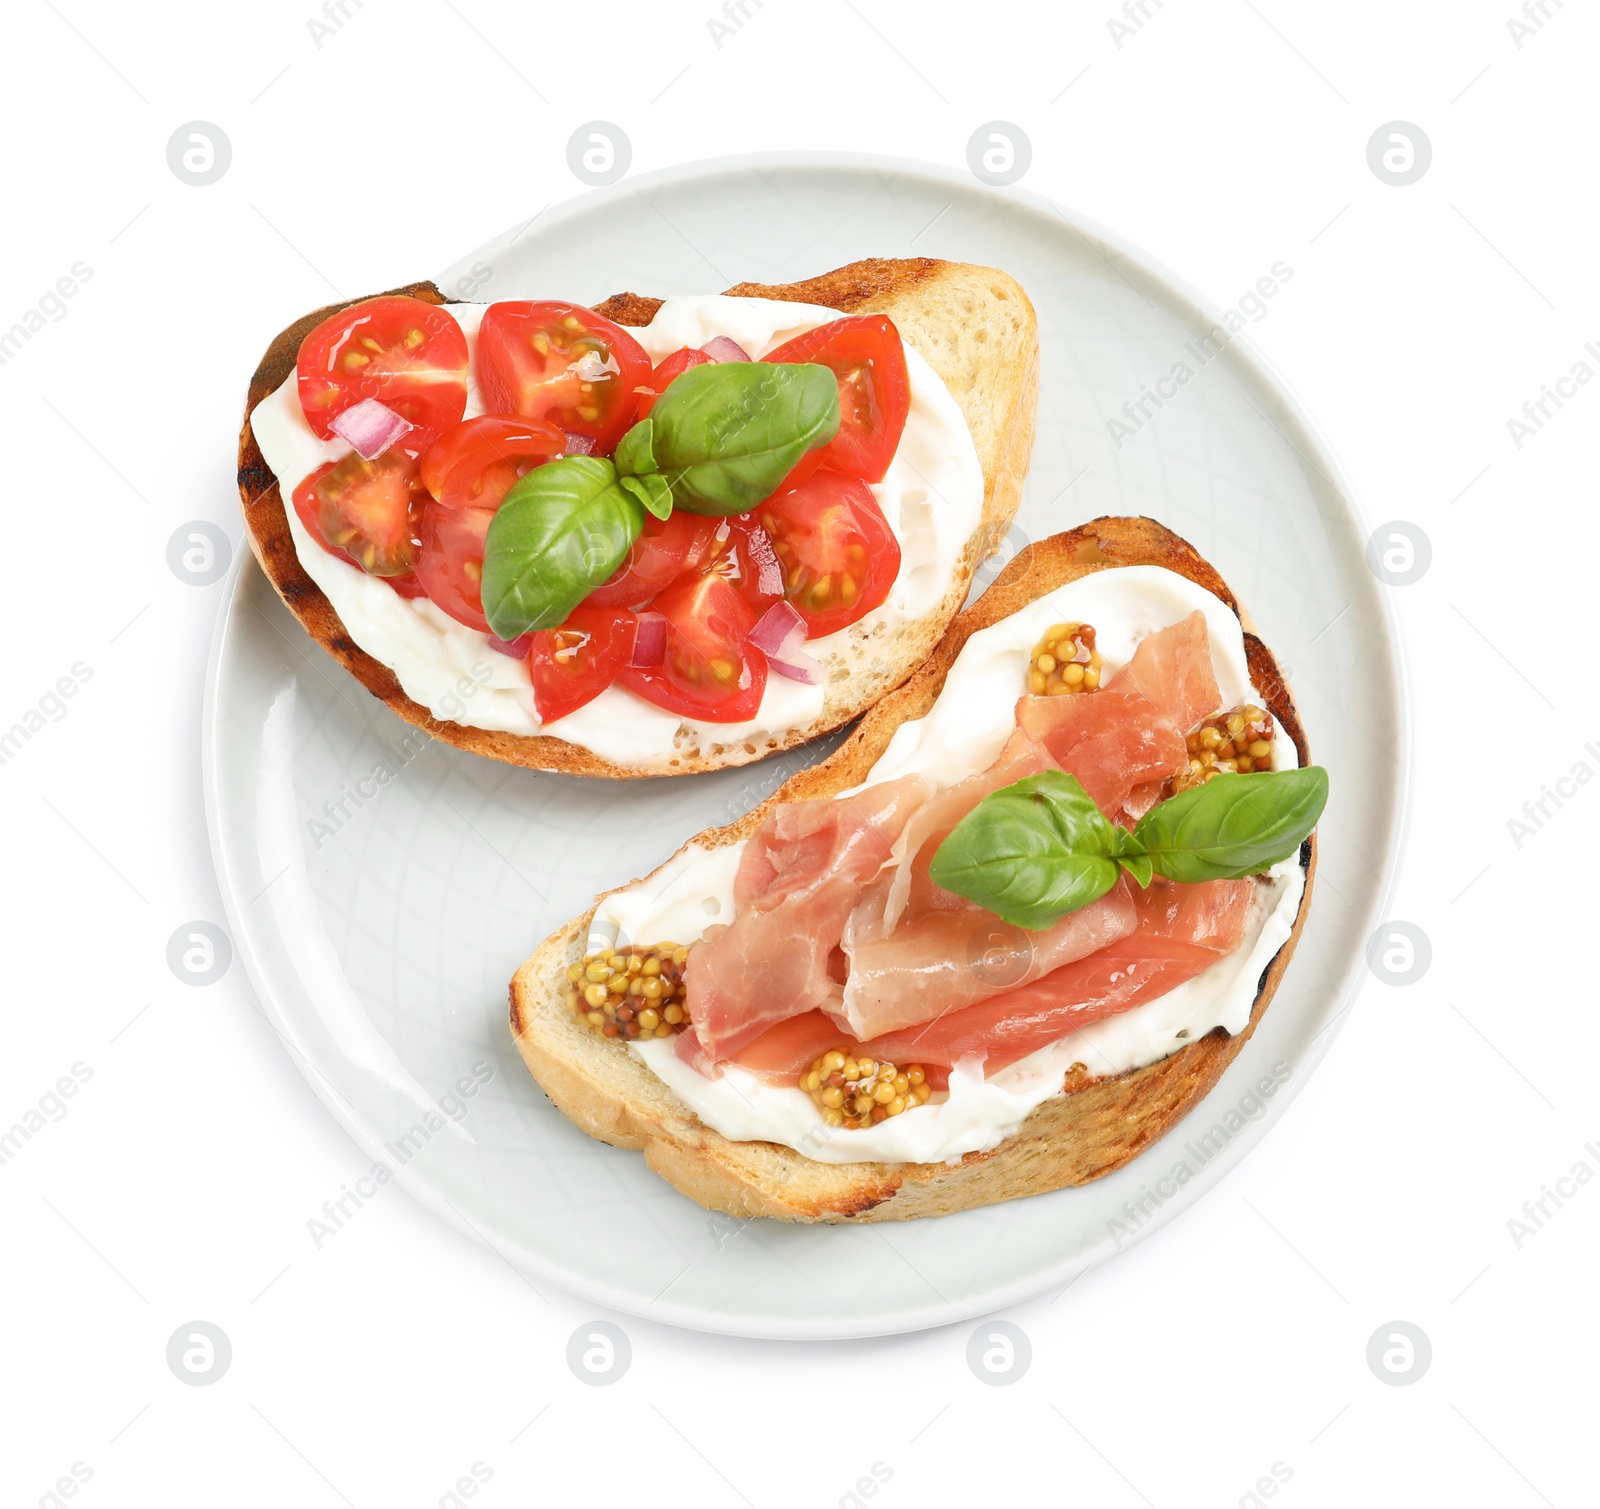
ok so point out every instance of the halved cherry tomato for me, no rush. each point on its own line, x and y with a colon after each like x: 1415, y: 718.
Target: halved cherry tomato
x: 838, y: 556
x: 365, y: 511
x: 668, y: 368
x: 561, y: 363
x: 573, y: 664
x: 742, y: 554
x: 664, y: 549
x: 865, y: 353
x: 475, y: 464
x: 408, y: 355
x: 406, y: 586
x: 710, y: 671
x: 450, y: 560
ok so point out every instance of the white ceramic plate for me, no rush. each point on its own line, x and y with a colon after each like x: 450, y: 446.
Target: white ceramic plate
x: 381, y: 953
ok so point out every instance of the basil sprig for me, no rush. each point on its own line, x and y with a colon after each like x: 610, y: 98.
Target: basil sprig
x: 1233, y: 825
x: 719, y: 441
x: 1038, y: 849
x: 722, y: 436
x: 1031, y: 852
x: 560, y: 532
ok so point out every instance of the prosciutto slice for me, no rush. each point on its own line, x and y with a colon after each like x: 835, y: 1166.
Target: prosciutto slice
x: 1181, y: 930
x: 904, y: 889
x: 1172, y: 668
x: 799, y: 877
x: 935, y: 964
x: 1113, y: 741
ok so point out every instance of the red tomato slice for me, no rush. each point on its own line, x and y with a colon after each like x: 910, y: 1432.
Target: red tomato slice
x: 668, y: 368
x: 408, y: 355
x: 742, y: 554
x: 475, y: 464
x: 407, y: 585
x: 865, y: 353
x: 365, y: 511
x: 660, y: 553
x: 561, y: 363
x: 573, y: 664
x: 838, y: 556
x: 710, y: 671
x: 450, y: 560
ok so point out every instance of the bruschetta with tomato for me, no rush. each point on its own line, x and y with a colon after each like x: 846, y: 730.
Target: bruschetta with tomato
x: 1001, y: 941
x: 649, y: 537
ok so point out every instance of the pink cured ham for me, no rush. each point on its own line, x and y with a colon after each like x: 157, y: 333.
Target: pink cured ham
x: 801, y: 873
x: 1182, y: 929
x: 1172, y: 668
x: 1113, y: 741
x: 949, y: 958
x: 904, y: 890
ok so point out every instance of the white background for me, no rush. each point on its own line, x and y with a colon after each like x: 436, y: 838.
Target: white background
x: 1221, y: 135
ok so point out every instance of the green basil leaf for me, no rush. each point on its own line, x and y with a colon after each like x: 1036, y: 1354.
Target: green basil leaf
x: 1233, y: 825
x: 635, y: 454
x: 650, y: 489
x: 560, y: 532
x: 1031, y: 852
x: 727, y: 433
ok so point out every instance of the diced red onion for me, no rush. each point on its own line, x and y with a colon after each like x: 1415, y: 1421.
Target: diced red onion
x: 371, y: 427
x: 516, y: 648
x: 723, y: 348
x: 777, y: 626
x: 779, y: 635
x: 800, y: 667
x: 579, y: 445
x: 650, y: 642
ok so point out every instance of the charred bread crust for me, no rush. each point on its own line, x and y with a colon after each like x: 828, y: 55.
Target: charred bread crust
x: 1075, y: 1138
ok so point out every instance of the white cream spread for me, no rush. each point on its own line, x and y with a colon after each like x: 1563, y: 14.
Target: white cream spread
x: 964, y: 733
x: 932, y: 498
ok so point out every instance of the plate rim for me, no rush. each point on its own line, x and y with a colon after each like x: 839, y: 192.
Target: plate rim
x: 1190, y: 302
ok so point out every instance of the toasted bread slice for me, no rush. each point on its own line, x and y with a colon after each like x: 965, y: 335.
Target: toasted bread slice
x: 1071, y: 1139
x: 975, y: 328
